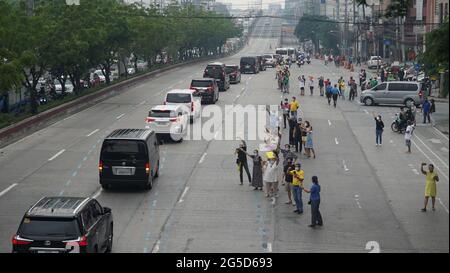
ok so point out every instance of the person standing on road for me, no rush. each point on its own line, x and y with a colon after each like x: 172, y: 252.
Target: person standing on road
x: 288, y: 154
x: 302, y: 82
x: 430, y: 186
x: 335, y: 94
x: 309, y: 147
x: 270, y: 175
x: 294, y: 107
x: 298, y: 175
x: 314, y: 201
x: 358, y: 61
x: 311, y: 85
x: 242, y: 162
x: 288, y: 179
x: 382, y: 75
x: 292, y: 123
x: 353, y: 89
x: 321, y: 85
x: 426, y: 107
x: 401, y: 74
x: 408, y: 135
x: 297, y: 136
x: 341, y: 83
x: 379, y: 127
x: 286, y: 109
x: 328, y: 92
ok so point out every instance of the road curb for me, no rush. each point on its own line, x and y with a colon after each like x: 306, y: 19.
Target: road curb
x: 34, y: 123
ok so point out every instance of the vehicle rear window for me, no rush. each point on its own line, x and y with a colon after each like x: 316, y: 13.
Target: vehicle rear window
x: 214, y: 70
x: 201, y: 83
x: 267, y: 56
x: 161, y: 114
x: 123, y: 150
x: 231, y: 69
x: 248, y: 61
x: 178, y: 98
x: 281, y: 52
x: 402, y: 87
x: 49, y: 227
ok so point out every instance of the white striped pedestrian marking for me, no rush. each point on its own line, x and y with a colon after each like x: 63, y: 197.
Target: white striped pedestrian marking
x: 57, y: 154
x: 8, y: 189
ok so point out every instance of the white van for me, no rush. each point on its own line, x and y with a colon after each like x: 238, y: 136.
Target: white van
x: 283, y: 52
x: 185, y: 97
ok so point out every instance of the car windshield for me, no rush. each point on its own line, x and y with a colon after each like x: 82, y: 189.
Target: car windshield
x: 247, y: 61
x: 161, y: 114
x: 267, y: 56
x: 178, y: 98
x: 281, y: 52
x: 201, y: 83
x: 231, y: 69
x: 123, y: 150
x: 214, y: 70
x: 49, y: 227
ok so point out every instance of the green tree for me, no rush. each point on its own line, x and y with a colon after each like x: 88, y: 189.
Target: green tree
x: 435, y: 58
x: 319, y: 29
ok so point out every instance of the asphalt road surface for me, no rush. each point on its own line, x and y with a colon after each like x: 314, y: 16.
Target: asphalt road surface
x: 371, y: 196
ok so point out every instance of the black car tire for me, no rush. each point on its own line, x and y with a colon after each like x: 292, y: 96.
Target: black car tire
x: 106, y: 187
x: 368, y: 101
x: 157, y: 171
x: 110, y: 240
x: 149, y: 184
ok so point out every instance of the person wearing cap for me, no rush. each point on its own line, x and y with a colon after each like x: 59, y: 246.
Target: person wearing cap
x: 294, y: 107
x: 298, y: 175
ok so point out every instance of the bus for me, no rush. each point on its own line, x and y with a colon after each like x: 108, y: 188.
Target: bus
x: 283, y: 52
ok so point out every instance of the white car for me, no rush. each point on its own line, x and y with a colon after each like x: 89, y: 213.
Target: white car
x: 185, y: 98
x: 100, y: 76
x: 270, y: 60
x: 58, y: 86
x: 169, y: 120
x: 374, y: 62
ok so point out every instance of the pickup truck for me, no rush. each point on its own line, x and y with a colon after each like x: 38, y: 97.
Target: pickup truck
x: 374, y: 62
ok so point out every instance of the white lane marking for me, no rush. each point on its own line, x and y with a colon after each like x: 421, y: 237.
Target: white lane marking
x: 415, y: 171
x: 436, y: 166
x: 216, y: 134
x: 68, y: 118
x: 97, y: 194
x: 8, y: 189
x: 444, y: 149
x: 426, y: 146
x: 250, y: 78
x: 57, y: 154
x: 329, y: 123
x: 93, y: 132
x: 120, y: 116
x: 202, y: 158
x: 440, y: 201
x: 156, y: 247
x: 243, y: 88
x: 183, y: 194
x: 435, y: 140
x: 237, y: 97
x: 142, y: 103
x: 357, y: 201
x: 442, y: 134
x: 345, y: 166
x: 269, y: 247
x: 365, y: 111
x: 336, y: 141
x: 61, y: 193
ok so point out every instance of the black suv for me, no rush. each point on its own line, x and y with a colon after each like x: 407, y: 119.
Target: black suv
x: 129, y: 157
x: 206, y: 88
x: 249, y: 64
x: 65, y: 224
x: 217, y: 71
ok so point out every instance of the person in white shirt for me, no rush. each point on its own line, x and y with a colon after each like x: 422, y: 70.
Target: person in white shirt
x: 311, y: 85
x: 408, y: 135
x: 270, y: 176
x: 302, y: 85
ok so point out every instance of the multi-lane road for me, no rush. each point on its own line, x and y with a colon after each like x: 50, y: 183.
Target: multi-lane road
x: 371, y: 196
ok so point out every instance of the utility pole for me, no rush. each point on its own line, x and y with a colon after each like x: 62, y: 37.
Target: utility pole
x: 30, y: 7
x: 346, y: 28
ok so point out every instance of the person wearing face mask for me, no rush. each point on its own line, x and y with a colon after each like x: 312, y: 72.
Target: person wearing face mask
x: 288, y: 178
x: 298, y: 175
x: 288, y: 154
x: 379, y: 127
x: 286, y: 110
x: 430, y: 186
x: 257, y: 181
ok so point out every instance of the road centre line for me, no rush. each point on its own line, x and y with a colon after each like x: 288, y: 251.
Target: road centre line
x: 440, y: 201
x: 156, y: 247
x: 345, y: 166
x: 57, y: 154
x: 329, y: 123
x: 336, y: 141
x: 442, y: 134
x: 183, y: 194
x: 93, y: 132
x: 202, y: 158
x: 8, y: 189
x: 426, y: 146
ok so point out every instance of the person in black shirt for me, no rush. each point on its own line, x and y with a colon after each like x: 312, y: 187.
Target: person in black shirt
x: 288, y: 178
x: 242, y: 162
x: 379, y: 129
x: 292, y: 124
x: 297, y: 136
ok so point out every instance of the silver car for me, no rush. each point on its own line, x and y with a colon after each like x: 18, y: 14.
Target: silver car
x: 395, y: 92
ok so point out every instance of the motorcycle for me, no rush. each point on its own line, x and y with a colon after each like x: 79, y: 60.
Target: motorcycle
x: 300, y: 63
x: 396, y: 127
x: 308, y: 60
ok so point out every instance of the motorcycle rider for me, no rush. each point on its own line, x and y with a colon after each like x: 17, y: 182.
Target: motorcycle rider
x: 403, y: 119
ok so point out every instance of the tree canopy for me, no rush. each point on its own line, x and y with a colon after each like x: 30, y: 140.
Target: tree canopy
x: 318, y: 29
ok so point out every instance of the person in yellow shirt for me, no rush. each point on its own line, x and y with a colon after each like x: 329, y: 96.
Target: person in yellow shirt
x: 430, y: 185
x: 298, y: 175
x: 294, y: 107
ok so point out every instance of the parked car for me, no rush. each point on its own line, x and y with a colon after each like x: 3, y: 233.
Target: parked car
x: 262, y: 63
x: 374, y: 62
x: 249, y: 65
x: 168, y: 120
x: 206, y: 88
x: 131, y: 70
x: 395, y: 92
x: 65, y: 225
x: 129, y: 157
x: 234, y: 72
x: 270, y: 60
x: 217, y: 71
x: 58, y: 86
x: 186, y: 98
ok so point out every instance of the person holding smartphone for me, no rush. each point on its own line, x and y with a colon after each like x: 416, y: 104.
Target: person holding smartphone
x: 430, y: 185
